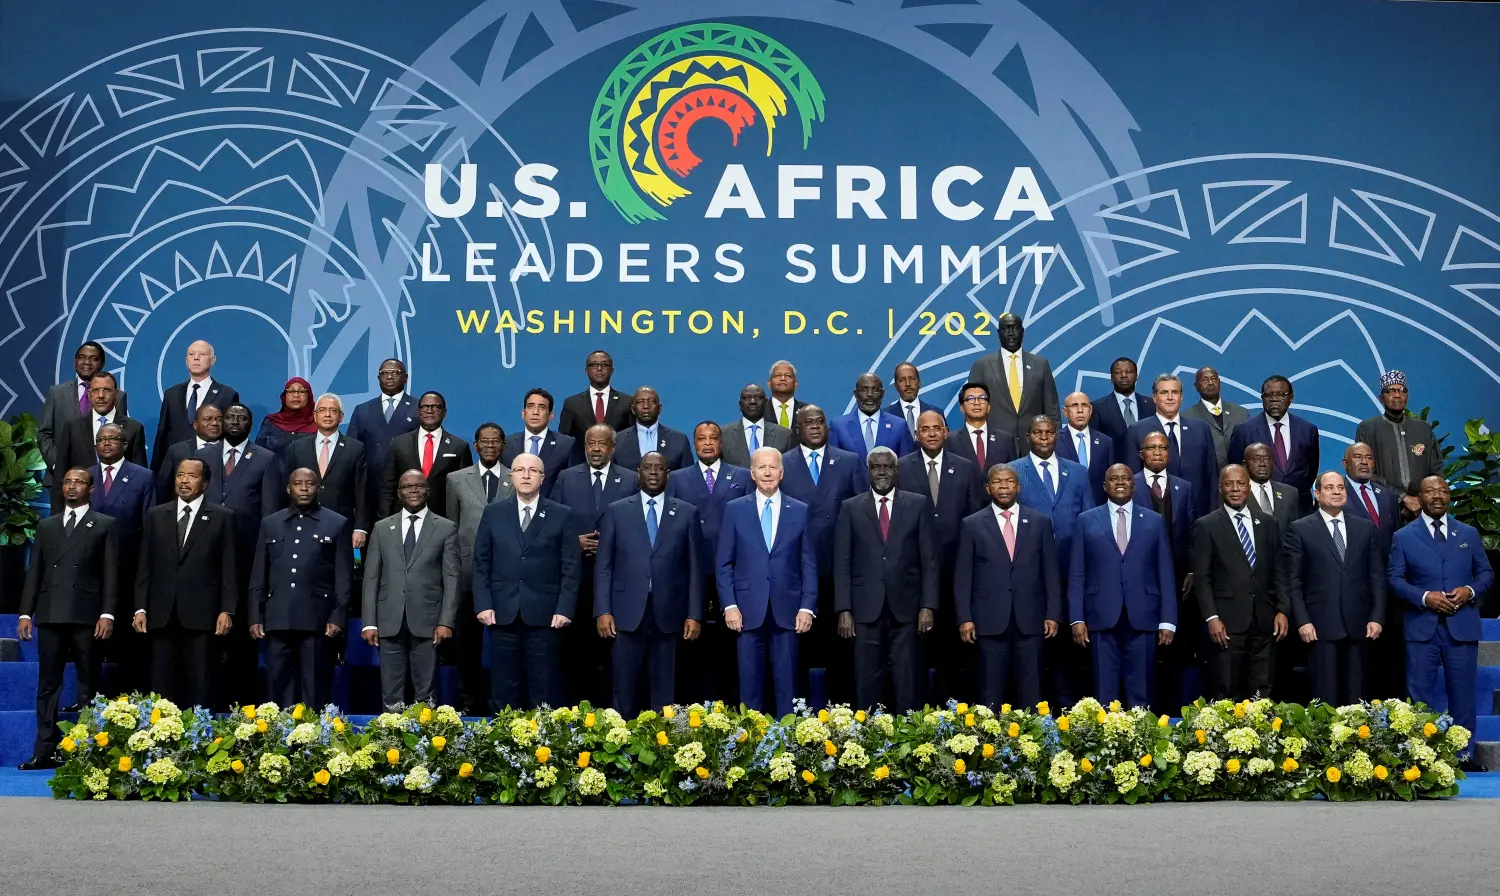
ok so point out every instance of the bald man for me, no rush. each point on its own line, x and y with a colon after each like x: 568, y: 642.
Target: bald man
x: 1082, y: 442
x: 180, y: 403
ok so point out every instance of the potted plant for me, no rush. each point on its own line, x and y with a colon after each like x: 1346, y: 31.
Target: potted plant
x: 21, y: 469
x: 1474, y: 476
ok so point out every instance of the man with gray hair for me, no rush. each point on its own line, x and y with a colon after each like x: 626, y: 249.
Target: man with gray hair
x: 1190, y: 446
x: 340, y: 461
x: 782, y: 384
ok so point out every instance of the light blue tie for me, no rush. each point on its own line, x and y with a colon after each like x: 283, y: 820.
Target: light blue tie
x: 755, y: 437
x: 651, y: 526
x: 1245, y: 542
x: 535, y: 441
x: 390, y: 408
x: 1047, y: 481
x: 1083, y: 450
x: 869, y: 433
x: 812, y: 466
x: 765, y: 523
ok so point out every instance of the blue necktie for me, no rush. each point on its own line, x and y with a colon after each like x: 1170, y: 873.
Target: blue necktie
x: 869, y: 433
x: 812, y: 467
x: 390, y: 408
x: 1047, y: 481
x: 765, y: 523
x: 192, y: 408
x: 754, y: 436
x: 1083, y: 450
x: 535, y: 440
x: 1245, y: 542
x: 651, y: 526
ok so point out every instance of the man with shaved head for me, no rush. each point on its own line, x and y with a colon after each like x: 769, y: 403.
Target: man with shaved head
x: 180, y: 403
x: 1082, y: 442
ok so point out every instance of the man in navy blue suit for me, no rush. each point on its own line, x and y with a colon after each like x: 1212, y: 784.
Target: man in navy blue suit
x: 1007, y: 592
x: 1085, y: 444
x: 1190, y: 445
x: 1438, y: 567
x: 650, y: 434
x: 909, y: 404
x: 768, y: 575
x: 557, y: 451
x: 1116, y: 412
x: 648, y: 586
x: 1052, y: 486
x: 1293, y: 440
x: 1382, y: 507
x: 124, y: 491
x: 984, y: 445
x: 1172, y: 497
x: 1120, y: 587
x: 375, y: 422
x: 868, y: 425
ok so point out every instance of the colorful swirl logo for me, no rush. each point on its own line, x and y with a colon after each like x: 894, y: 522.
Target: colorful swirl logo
x: 644, y: 116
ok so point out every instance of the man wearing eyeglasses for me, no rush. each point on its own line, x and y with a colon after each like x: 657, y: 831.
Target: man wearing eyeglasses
x: 1406, y: 452
x: 982, y: 444
x: 430, y: 449
x: 599, y: 403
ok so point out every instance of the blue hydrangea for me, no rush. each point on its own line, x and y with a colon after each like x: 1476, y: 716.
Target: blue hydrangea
x: 393, y: 780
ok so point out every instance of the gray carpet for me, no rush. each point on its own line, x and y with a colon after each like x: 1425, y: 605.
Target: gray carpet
x: 1429, y: 848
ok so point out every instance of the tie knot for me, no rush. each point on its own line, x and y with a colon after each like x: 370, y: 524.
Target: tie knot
x: 429, y: 437
x: 1044, y: 464
x: 1334, y: 521
x: 1120, y: 511
x: 815, y: 457
x: 651, y: 502
x: 1006, y: 514
x: 882, y: 501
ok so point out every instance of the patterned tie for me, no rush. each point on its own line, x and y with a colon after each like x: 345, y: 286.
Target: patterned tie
x: 409, y: 544
x: 911, y: 420
x: 933, y: 478
x: 1047, y: 481
x: 869, y: 433
x: 109, y: 480
x: 651, y: 521
x: 83, y: 399
x: 782, y: 418
x: 1437, y: 530
x: 491, y: 486
x: 1278, y: 450
x: 1267, y: 504
x: 1245, y: 542
x: 230, y: 461
x: 885, y: 520
x: 182, y: 527
x: 1122, y: 534
x: 812, y: 467
x: 1364, y: 495
x: 598, y: 407
x: 979, y: 450
x: 755, y: 437
x: 1338, y: 539
x: 708, y: 479
x: 1008, y: 532
x: 1127, y: 407
x: 323, y: 458
x: 1083, y: 450
x: 1015, y: 384
x: 427, y: 452
x: 390, y: 408
x: 192, y: 408
x: 1156, y: 485
x: 525, y: 518
x: 765, y: 523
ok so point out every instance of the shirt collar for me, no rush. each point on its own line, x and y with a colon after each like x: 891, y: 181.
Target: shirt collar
x: 1428, y: 519
x: 421, y: 515
x: 108, y: 416
x: 1073, y: 434
x: 641, y: 427
x: 890, y: 497
x: 604, y: 469
x: 1328, y: 518
x: 863, y: 416
x: 437, y: 437
x: 1234, y: 513
x: 1014, y: 510
x: 1112, y: 504
x: 1038, y: 461
x: 240, y: 449
x: 936, y: 458
x: 1166, y: 420
x: 311, y: 514
x: 191, y: 505
x: 114, y: 467
x: 704, y: 468
x: 746, y: 423
x: 520, y: 502
x: 203, y: 387
x: 332, y: 437
x: 981, y: 428
x: 807, y: 451
x: 599, y: 393
x: 1152, y: 474
x: 1214, y: 406
x: 774, y: 498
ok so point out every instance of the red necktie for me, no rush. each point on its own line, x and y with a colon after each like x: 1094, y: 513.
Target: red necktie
x: 427, y: 456
x: 885, y: 520
x: 1364, y: 495
x: 109, y: 480
x: 979, y: 449
x: 599, y: 407
x: 1156, y: 485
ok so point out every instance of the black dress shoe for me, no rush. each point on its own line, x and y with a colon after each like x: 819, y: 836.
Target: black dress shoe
x: 37, y: 765
x: 1470, y: 766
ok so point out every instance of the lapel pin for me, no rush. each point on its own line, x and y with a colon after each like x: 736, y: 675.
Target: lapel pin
x: 204, y: 518
x: 124, y: 478
x: 541, y: 515
x: 672, y: 512
x: 1462, y: 547
x: 90, y: 525
x: 393, y: 528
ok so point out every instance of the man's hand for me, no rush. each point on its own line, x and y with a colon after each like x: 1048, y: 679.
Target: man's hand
x: 332, y: 631
x: 1460, y: 596
x: 691, y: 629
x: 733, y: 619
x: 605, y: 625
x: 804, y: 621
x: 924, y: 621
x: 1049, y: 628
x: 1280, y: 626
x: 1373, y: 630
x: 967, y: 633
x: 440, y: 634
x: 23, y: 629
x: 224, y: 624
x: 139, y: 622
x: 1439, y: 602
x: 1187, y: 585
x: 1411, y: 503
x: 371, y: 636
x: 589, y: 544
x: 1081, y: 634
x: 846, y: 624
x: 1217, y: 633
x: 257, y: 632
x: 1307, y: 633
x: 359, y: 540
x: 1164, y: 636
x: 485, y: 617
x: 560, y: 621
x: 103, y: 629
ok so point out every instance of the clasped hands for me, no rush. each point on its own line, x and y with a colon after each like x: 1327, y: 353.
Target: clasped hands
x: 487, y: 617
x: 1448, y: 602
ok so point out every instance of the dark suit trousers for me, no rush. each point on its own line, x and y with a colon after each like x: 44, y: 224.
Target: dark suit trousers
x: 586, y: 665
x: 881, y: 647
x: 524, y: 671
x: 179, y: 663
x: 1244, y: 667
x: 407, y: 656
x: 775, y: 645
x: 55, y: 644
x: 645, y: 653
x: 1122, y: 653
x: 1460, y: 662
x: 1337, y: 670
x: 1007, y: 655
x: 466, y: 651
x: 953, y: 662
x: 825, y: 650
x: 710, y: 669
x: 299, y: 668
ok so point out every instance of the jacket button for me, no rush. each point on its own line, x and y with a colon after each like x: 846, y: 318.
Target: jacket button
x: 294, y: 557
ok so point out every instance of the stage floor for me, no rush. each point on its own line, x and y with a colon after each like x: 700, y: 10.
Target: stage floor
x: 1430, y: 847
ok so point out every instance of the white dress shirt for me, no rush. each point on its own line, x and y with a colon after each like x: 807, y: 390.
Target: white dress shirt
x: 1020, y: 359
x: 1215, y: 408
x: 332, y: 440
x: 1175, y: 432
x: 807, y: 458
x: 1015, y: 517
x: 890, y: 502
x: 521, y: 507
x: 239, y: 450
x: 596, y: 395
x: 703, y: 469
x: 204, y: 385
x: 101, y: 419
x: 928, y: 459
x: 201, y: 443
x: 1049, y: 475
x: 790, y: 406
x: 437, y: 443
x: 113, y: 471
x: 871, y: 420
x: 1328, y: 520
x: 604, y: 470
x: 914, y: 408
x: 760, y: 434
x: 1153, y: 478
x: 983, y: 436
x: 661, y: 507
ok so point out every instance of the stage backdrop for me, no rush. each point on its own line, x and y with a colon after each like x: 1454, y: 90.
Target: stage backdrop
x: 704, y: 187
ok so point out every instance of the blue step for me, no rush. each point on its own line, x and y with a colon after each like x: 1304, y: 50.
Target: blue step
x: 8, y: 630
x: 1489, y: 629
x: 1488, y: 728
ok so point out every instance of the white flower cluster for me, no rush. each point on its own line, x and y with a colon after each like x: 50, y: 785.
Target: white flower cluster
x: 340, y: 764
x: 273, y: 767
x: 1029, y: 747
x: 853, y: 755
x: 1064, y: 771
x: 1259, y: 766
x: 243, y: 731
x: 97, y: 781
x: 783, y: 766
x: 161, y: 771
x: 1457, y: 737
x: 963, y: 743
x: 169, y: 728
x: 419, y: 778
x: 267, y: 711
x: 1127, y: 775
x: 364, y: 758
x: 717, y: 721
x: 733, y: 776
x: 1242, y: 740
x: 1444, y: 773
x: 1170, y: 755
x: 1119, y: 725
x: 546, y: 776
x: 841, y: 717
x: 1293, y: 746
x: 1359, y: 768
x: 591, y: 782
x: 1202, y: 765
x: 654, y: 790
x: 121, y: 713
x: 388, y: 720
x: 619, y: 736
x: 1421, y: 752
x: 884, y: 724
x: 1400, y: 716
x: 141, y: 740
x: 1209, y: 719
x: 564, y: 714
x: 1340, y: 733
x: 811, y: 731
x: 522, y: 732
x: 304, y: 734
x: 689, y: 756
x: 1004, y: 787
x: 446, y: 715
x: 166, y: 707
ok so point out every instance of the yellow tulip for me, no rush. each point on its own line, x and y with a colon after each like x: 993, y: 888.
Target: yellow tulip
x: 465, y: 770
x: 1429, y: 729
x: 961, y: 708
x: 532, y: 722
x: 1381, y: 773
x: 1146, y: 761
x: 155, y: 716
x: 1333, y: 774
x: 68, y: 745
x: 261, y: 726
x: 1015, y: 730
x: 392, y: 756
x: 543, y: 754
x: 1412, y: 773
x: 583, y: 759
x: 237, y: 767
x: 101, y: 739
x: 1239, y: 710
x: 1163, y: 722
x: 830, y: 748
x: 1364, y: 732
x: 1232, y: 766
x: 124, y: 763
x: 424, y: 716
x: 439, y: 742
x: 1201, y: 735
x: 322, y: 777
x: 1276, y: 724
x: 969, y: 719
x: 297, y: 712
x: 669, y: 712
x: 1062, y: 724
x: 588, y: 720
x: 1114, y: 706
x: 988, y: 751
x: 338, y: 725
x: 823, y: 716
x: 959, y: 767
x: 1085, y: 765
x: 808, y: 777
x: 661, y: 738
x: 1004, y: 708
x: 1042, y: 709
x: 249, y: 713
x: 701, y: 772
x: 695, y: 720
x: 1290, y: 765
x: 882, y: 773
x: 859, y: 716
x: 1101, y: 717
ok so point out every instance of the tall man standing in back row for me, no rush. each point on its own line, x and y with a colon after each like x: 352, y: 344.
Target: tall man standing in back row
x: 180, y: 403
x: 1406, y: 452
x: 599, y: 403
x: 1020, y: 383
x: 375, y: 422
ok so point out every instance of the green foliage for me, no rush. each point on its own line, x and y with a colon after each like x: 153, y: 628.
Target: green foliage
x: 1474, y: 477
x: 21, y: 470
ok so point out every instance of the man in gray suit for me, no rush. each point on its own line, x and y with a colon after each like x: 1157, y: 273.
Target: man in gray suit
x: 752, y: 430
x: 1010, y: 404
x: 410, y: 592
x: 1220, y: 415
x: 470, y: 490
x: 69, y: 400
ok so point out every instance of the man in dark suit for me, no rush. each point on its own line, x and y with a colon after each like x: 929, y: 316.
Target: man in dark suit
x: 1116, y: 412
x: 410, y: 592
x: 1220, y: 416
x: 375, y: 422
x: 599, y: 403
x: 557, y: 451
x: 526, y: 571
x: 1172, y: 498
x: 1085, y: 444
x: 430, y: 449
x: 187, y: 585
x: 1438, y: 567
x: 868, y: 425
x: 976, y: 440
x: 69, y: 600
x: 1189, y: 446
x: 650, y: 434
x: 1120, y: 586
x: 909, y: 404
x: 1274, y: 499
x: 1237, y: 578
x: 342, y: 465
x: 1293, y: 440
x: 1007, y: 591
x: 587, y: 491
x: 1020, y: 383
x: 753, y: 430
x: 1335, y: 572
x: 648, y: 586
x: 69, y: 400
x: 781, y: 383
x: 1382, y: 507
x: 299, y: 593
x: 124, y: 492
x: 470, y: 491
x: 75, y: 441
x: 180, y: 403
x: 768, y: 575
x: 885, y: 583
x: 208, y: 428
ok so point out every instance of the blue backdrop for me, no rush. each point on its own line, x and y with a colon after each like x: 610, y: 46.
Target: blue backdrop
x: 1267, y: 187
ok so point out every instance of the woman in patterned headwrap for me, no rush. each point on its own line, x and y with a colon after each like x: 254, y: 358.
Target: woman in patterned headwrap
x: 295, y: 418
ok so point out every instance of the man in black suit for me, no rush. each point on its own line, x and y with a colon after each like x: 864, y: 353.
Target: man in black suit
x: 650, y: 434
x: 885, y: 582
x: 1123, y: 406
x: 1335, y: 571
x: 784, y: 407
x: 753, y: 430
x: 1381, y: 506
x: 180, y: 403
x: 186, y: 586
x: 557, y: 451
x: 343, y: 468
x: 1021, y: 386
x: 208, y: 428
x: 526, y: 569
x: 75, y: 441
x: 69, y: 601
x: 648, y: 586
x: 1275, y: 499
x: 427, y: 448
x: 69, y: 400
x: 599, y: 403
x: 1237, y: 578
x: 984, y: 445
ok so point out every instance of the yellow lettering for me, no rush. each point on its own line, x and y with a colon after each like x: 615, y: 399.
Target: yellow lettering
x: 708, y: 322
x: 559, y: 321
x: 638, y: 326
x: 671, y: 317
x: 536, y: 322
x: 734, y: 321
x: 800, y: 322
x: 472, y: 321
x: 834, y: 328
x: 609, y: 321
x: 507, y: 321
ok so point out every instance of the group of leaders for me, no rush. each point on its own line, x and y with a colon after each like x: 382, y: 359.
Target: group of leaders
x: 1100, y: 546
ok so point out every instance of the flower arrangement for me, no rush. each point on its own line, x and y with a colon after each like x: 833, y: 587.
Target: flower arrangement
x: 966, y: 755
x: 696, y: 753
x: 132, y: 748
x: 1385, y: 750
x: 1251, y: 750
x: 1110, y: 755
x: 571, y: 755
x: 266, y: 754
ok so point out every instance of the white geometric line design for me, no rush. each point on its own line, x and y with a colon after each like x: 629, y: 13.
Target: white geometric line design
x: 244, y: 81
x: 1339, y: 208
x: 328, y: 63
x: 251, y: 268
x: 55, y: 111
x: 9, y: 193
x: 323, y: 95
x: 131, y: 316
x: 70, y: 138
x: 1217, y: 223
x: 1375, y: 202
x: 1093, y: 239
x: 1472, y: 290
x: 155, y: 290
x: 139, y: 70
x: 204, y: 76
x: 1463, y: 231
x: 218, y: 264
x: 404, y: 129
x: 16, y: 165
x: 184, y: 272
x: 397, y: 97
x: 1300, y: 238
x: 1116, y: 213
x: 152, y: 98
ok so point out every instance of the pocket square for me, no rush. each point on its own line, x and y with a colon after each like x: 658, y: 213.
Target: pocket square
x: 1462, y: 547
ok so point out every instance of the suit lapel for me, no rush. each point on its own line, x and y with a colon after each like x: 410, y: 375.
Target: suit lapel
x: 195, y: 529
x: 1326, y: 538
x: 424, y: 534
x: 781, y: 522
x: 67, y: 542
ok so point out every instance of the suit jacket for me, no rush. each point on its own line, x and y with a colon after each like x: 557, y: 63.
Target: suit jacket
x: 999, y: 448
x: 578, y: 414
x: 531, y: 575
x: 846, y: 432
x: 1420, y: 563
x: 75, y: 448
x: 773, y: 416
x: 676, y: 447
x: 196, y: 583
x: 558, y: 453
x: 1387, y: 505
x: 689, y: 485
x: 1338, y: 596
x: 346, y: 484
x: 989, y: 587
x: 166, y: 476
x: 1073, y: 497
x: 736, y: 447
x: 1195, y: 462
x: 629, y: 570
x: 1220, y: 427
x: 172, y: 423
x: 131, y: 495
x: 368, y: 426
x: 422, y: 593
x: 775, y: 584
x: 841, y: 477
x: 254, y: 491
x: 899, y: 571
x: 449, y: 454
x: 1107, y: 588
x: 1101, y: 456
x: 1038, y: 394
x: 575, y: 490
x: 467, y: 500
x: 1284, y: 505
x: 1111, y: 422
x: 1177, y: 515
x: 959, y: 495
x: 1225, y: 584
x: 302, y: 572
x: 61, y: 407
x: 73, y: 579
x: 1301, y: 438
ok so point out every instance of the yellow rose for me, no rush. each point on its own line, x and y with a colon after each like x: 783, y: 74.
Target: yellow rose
x: 1062, y: 724
x: 701, y: 772
x: 321, y: 776
x: 1232, y: 766
x: 1381, y: 773
x: 439, y: 742
x: 1364, y: 732
x: 465, y: 770
x: 1101, y: 717
x: 297, y: 712
x: 1201, y: 735
x: 1290, y: 765
x: 1114, y: 706
x: 218, y: 740
x: 155, y: 716
x: 532, y: 723
x: 1015, y: 730
x: 718, y: 706
x: 1412, y: 773
x: 1004, y: 708
x: 583, y: 759
x: 68, y: 745
x: 830, y: 748
x: 959, y: 767
x: 1086, y: 766
x: 338, y: 725
x: 1146, y: 761
x: 808, y: 777
x: 961, y: 708
x: 988, y: 751
x: 250, y: 713
x: 392, y: 756
x: 424, y: 716
x: 744, y: 736
x: 543, y: 754
x: 261, y: 726
x: 695, y: 720
x: 1429, y: 729
x: 101, y: 739
x: 969, y: 719
x: 1276, y: 724
x: 1333, y: 774
x: 1042, y: 709
x: 1239, y: 710
x: 588, y: 720
x: 669, y: 712
x: 859, y: 716
x: 124, y: 763
x: 661, y: 738
x: 823, y: 716
x: 1376, y: 702
x: 882, y: 773
x: 237, y: 767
